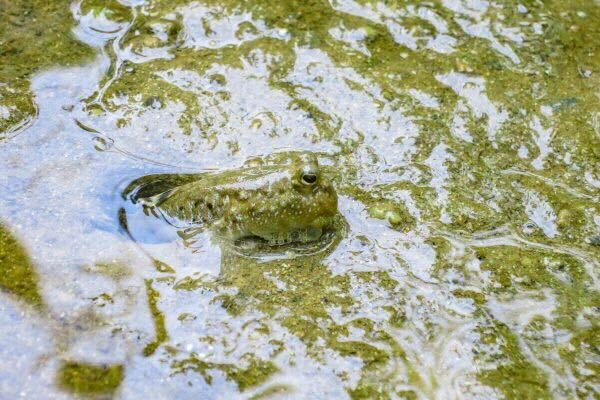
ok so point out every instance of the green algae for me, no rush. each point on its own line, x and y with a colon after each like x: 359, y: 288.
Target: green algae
x: 253, y: 373
x: 112, y: 10
x: 160, y: 331
x: 517, y: 269
x: 90, y: 379
x: 17, y: 274
x: 487, y: 184
x: 305, y: 290
x: 252, y: 282
x: 162, y: 267
x: 33, y: 35
x: 393, y: 214
x: 516, y: 376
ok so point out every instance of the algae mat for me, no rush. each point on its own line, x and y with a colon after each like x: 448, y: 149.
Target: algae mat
x: 462, y: 137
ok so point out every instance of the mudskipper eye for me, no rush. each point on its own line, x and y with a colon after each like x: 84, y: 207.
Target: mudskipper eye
x: 309, y: 179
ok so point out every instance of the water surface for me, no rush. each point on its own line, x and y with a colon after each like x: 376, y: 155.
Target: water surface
x: 463, y: 137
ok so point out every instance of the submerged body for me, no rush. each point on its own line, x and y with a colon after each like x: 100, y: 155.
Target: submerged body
x: 280, y: 204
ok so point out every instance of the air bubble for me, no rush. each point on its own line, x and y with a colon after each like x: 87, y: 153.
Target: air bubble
x: 102, y: 144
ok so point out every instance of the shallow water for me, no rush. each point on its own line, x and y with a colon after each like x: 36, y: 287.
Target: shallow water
x: 463, y: 137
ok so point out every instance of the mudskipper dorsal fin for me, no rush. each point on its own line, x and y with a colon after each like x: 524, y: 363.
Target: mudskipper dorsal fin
x: 156, y: 184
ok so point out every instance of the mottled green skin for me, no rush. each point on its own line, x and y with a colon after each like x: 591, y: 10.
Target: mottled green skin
x: 269, y: 202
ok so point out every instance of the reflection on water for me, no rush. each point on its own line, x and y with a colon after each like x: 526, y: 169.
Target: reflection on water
x: 461, y: 137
